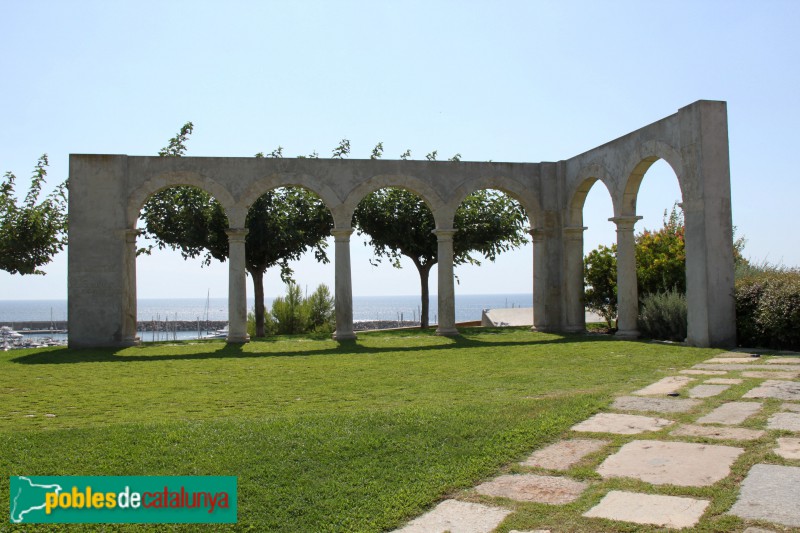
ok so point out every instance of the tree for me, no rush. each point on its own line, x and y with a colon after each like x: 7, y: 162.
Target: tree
x: 399, y: 223
x: 282, y: 225
x: 600, y: 279
x: 32, y: 232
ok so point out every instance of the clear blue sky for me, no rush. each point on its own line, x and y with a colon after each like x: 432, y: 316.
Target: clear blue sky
x: 500, y: 80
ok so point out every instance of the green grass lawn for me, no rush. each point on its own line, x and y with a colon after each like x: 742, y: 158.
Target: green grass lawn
x: 323, y: 437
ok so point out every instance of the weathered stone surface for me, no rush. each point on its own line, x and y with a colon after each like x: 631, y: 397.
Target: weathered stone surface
x: 707, y: 391
x: 711, y: 432
x: 457, y: 517
x: 784, y: 421
x: 671, y: 463
x: 795, y: 407
x: 758, y: 530
x: 734, y: 355
x: 742, y: 366
x: 731, y: 413
x: 783, y: 360
x: 533, y: 488
x: 562, y: 455
x: 772, y: 388
x: 724, y: 381
x: 621, y: 424
x: 664, y: 386
x: 774, y: 374
x: 729, y: 360
x: 667, y: 511
x: 659, y: 405
x: 769, y: 492
x: 788, y: 448
x: 704, y: 372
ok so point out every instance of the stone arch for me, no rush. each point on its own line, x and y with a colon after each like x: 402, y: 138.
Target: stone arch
x: 503, y: 184
x: 401, y: 181
x: 638, y: 164
x: 274, y: 181
x: 138, y: 197
x: 586, y: 179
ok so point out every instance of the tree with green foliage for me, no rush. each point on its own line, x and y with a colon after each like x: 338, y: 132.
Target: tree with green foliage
x: 398, y: 223
x: 600, y: 278
x: 32, y: 232
x: 282, y: 225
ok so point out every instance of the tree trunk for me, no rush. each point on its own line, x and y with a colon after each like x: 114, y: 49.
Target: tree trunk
x: 424, y: 271
x: 258, y: 292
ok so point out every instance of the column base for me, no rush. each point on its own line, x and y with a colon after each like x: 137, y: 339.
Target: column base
x: 544, y: 329
x: 627, y: 334
x: 447, y: 332
x: 575, y: 329
x: 344, y: 336
x: 238, y: 339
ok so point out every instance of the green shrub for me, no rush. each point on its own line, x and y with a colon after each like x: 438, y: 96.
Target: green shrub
x: 768, y: 308
x: 663, y: 316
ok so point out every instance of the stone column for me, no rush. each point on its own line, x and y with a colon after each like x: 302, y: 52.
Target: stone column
x: 129, y: 320
x: 573, y: 267
x: 237, y: 286
x: 539, y: 280
x: 344, y: 285
x: 627, y: 293
x: 447, y: 303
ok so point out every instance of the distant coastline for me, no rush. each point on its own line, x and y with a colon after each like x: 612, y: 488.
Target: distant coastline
x: 189, y: 310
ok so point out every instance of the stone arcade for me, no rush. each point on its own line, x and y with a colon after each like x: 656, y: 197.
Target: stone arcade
x: 107, y: 192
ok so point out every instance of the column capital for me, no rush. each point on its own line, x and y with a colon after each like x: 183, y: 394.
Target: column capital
x: 129, y: 235
x: 574, y: 232
x: 342, y: 234
x: 537, y: 234
x: 236, y: 234
x: 625, y: 222
x: 444, y: 234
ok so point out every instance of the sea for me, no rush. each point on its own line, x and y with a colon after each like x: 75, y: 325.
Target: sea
x: 365, y: 308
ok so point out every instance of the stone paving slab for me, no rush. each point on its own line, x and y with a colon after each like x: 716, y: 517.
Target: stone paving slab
x: 784, y: 360
x: 659, y: 405
x: 621, y: 424
x: 734, y: 355
x: 724, y: 381
x: 769, y: 492
x: 457, y: 517
x: 742, y: 366
x: 704, y: 372
x: 711, y: 432
x: 772, y: 388
x: 532, y: 488
x: 728, y: 360
x: 788, y: 448
x: 707, y: 391
x: 795, y: 407
x: 563, y: 454
x: 671, y: 463
x: 771, y: 374
x: 758, y: 530
x: 664, y: 386
x: 784, y: 421
x: 731, y: 413
x: 667, y: 511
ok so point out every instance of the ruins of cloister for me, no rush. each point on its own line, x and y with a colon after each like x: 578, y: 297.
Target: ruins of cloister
x: 108, y: 191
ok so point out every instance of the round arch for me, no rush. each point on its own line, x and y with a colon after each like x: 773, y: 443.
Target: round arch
x: 530, y: 203
x: 138, y: 197
x: 383, y: 181
x: 587, y: 177
x: 274, y: 181
x: 638, y: 164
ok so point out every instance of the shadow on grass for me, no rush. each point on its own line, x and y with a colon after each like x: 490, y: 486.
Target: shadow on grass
x: 235, y: 351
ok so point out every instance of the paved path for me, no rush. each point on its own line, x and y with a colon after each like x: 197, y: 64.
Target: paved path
x: 732, y: 410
